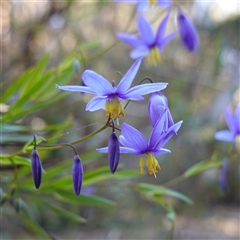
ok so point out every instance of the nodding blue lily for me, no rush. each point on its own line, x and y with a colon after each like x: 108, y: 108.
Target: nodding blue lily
x: 36, y: 166
x: 188, y: 33
x: 233, y: 122
x: 77, y: 174
x: 109, y: 95
x: 148, y: 45
x: 144, y: 4
x: 157, y: 105
x: 134, y: 142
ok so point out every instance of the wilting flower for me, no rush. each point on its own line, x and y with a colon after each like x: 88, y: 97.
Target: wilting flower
x: 157, y: 106
x: 188, y: 33
x: 149, y: 45
x: 110, y: 95
x: 36, y: 168
x: 113, y: 152
x: 134, y: 142
x: 144, y: 4
x: 77, y: 174
x: 223, y: 175
x: 233, y: 122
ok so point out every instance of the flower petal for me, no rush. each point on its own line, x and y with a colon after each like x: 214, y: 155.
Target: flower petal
x: 160, y: 151
x: 130, y: 39
x: 224, y: 135
x: 237, y: 118
x: 145, y: 31
x: 96, y: 103
x: 73, y: 88
x: 133, y: 138
x: 129, y: 150
x: 166, y: 40
x: 230, y: 120
x: 140, y: 51
x: 127, y: 79
x: 164, y: 3
x: 97, y: 83
x: 161, y: 30
x: 137, y: 91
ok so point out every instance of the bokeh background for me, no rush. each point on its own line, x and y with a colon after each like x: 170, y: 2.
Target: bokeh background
x: 200, y: 86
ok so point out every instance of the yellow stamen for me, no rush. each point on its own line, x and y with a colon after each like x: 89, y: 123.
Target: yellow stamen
x: 152, y: 1
x: 151, y: 163
x: 238, y: 142
x: 153, y: 57
x: 114, y: 109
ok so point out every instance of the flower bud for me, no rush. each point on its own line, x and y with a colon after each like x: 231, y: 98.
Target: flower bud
x: 157, y: 106
x: 113, y: 152
x: 76, y: 65
x: 77, y: 174
x: 223, y: 175
x: 36, y: 168
x: 188, y: 33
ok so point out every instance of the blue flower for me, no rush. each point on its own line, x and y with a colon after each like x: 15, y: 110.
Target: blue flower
x: 109, y: 95
x: 36, y: 166
x: 157, y: 105
x: 77, y: 174
x: 134, y: 142
x: 113, y: 152
x: 233, y: 122
x: 188, y: 33
x: 149, y: 45
x: 143, y: 4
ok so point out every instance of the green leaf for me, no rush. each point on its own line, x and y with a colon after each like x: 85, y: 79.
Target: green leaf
x: 8, y: 128
x: 83, y: 199
x: 16, y: 159
x: 15, y: 138
x: 150, y: 189
x: 34, y: 226
x: 201, y: 166
x: 67, y: 214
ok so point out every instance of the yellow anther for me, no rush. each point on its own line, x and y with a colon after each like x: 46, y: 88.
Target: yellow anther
x: 152, y: 164
x: 141, y: 164
x: 114, y: 109
x: 153, y: 57
x: 152, y: 1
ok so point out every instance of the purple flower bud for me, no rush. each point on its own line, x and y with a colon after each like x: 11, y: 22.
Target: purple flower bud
x: 223, y: 175
x: 77, y: 174
x: 157, y: 106
x: 188, y: 33
x: 113, y: 152
x: 36, y: 168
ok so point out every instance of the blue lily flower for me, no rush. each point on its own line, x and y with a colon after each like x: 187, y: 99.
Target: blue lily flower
x: 149, y: 45
x: 188, y: 33
x: 109, y: 95
x: 157, y: 105
x: 233, y: 122
x: 134, y: 142
x: 144, y: 4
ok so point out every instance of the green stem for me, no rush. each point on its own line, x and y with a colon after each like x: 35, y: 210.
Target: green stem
x: 174, y: 181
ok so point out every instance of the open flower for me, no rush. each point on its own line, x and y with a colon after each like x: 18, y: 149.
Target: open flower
x: 134, y: 142
x: 188, y: 33
x: 109, y: 95
x: 144, y: 4
x: 148, y: 45
x: 233, y: 122
x: 157, y: 105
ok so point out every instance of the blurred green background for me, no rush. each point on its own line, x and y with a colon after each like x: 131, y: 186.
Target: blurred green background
x: 200, y: 87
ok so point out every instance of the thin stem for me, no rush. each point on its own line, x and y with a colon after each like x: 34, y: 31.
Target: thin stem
x: 174, y: 181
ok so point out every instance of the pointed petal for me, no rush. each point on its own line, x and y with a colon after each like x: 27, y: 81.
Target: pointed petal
x: 160, y: 151
x: 133, y: 138
x: 130, y: 39
x: 137, y: 91
x: 128, y: 150
x: 127, y: 79
x: 157, y: 131
x: 166, y: 40
x: 164, y: 3
x: 224, y: 135
x: 96, y: 103
x: 140, y: 51
x: 142, y: 5
x: 145, y: 31
x: 166, y: 136
x: 97, y: 83
x: 103, y: 150
x: 73, y: 88
x: 161, y: 30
